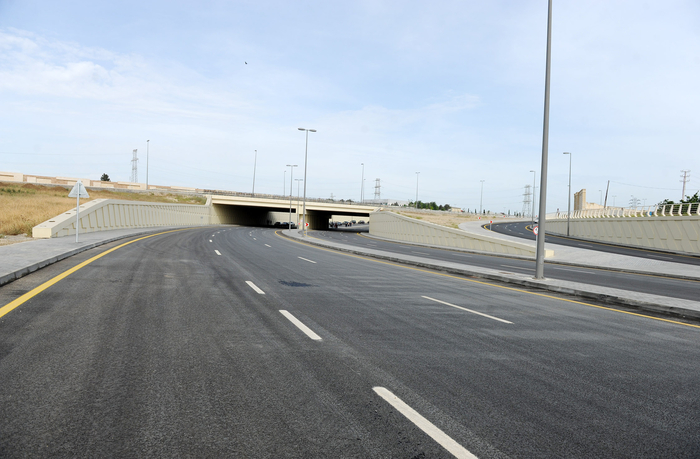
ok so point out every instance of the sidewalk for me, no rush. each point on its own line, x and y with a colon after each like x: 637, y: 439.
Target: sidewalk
x: 642, y: 301
x: 17, y: 260
x: 595, y: 259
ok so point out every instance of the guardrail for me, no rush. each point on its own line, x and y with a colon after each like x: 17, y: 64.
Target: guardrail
x: 666, y: 210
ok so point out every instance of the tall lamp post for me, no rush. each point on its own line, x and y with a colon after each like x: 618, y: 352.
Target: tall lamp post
x: 417, y: 189
x: 148, y: 142
x: 534, y: 178
x: 362, y: 187
x: 255, y: 164
x: 298, y: 180
x: 539, y: 259
x: 306, y: 154
x: 481, y: 200
x: 291, y: 188
x: 568, y: 212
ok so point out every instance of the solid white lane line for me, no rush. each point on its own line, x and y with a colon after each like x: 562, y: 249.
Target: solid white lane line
x: 217, y: 252
x: 268, y: 245
x: 468, y: 310
x: 300, y: 325
x: 517, y: 267
x: 310, y: 261
x: 420, y: 253
x: 423, y: 424
x: 254, y: 287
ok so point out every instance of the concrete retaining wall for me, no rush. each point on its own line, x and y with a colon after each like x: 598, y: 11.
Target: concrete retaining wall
x: 673, y: 234
x: 110, y: 214
x: 393, y: 226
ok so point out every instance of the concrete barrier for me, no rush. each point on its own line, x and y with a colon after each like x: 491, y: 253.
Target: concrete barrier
x: 673, y: 234
x: 110, y: 214
x: 401, y: 228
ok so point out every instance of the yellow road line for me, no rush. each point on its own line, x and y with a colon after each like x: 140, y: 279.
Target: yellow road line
x: 34, y: 292
x: 491, y: 285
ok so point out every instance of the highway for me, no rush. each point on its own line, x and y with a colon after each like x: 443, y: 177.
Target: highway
x: 643, y: 283
x: 523, y: 230
x: 237, y: 342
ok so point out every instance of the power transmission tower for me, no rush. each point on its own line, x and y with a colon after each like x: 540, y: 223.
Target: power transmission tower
x: 377, y: 190
x: 134, y: 168
x: 527, y: 200
x: 685, y: 178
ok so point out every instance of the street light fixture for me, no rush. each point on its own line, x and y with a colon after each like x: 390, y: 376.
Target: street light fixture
x: 362, y: 186
x: 481, y: 200
x: 416, y: 206
x: 148, y: 142
x: 255, y: 164
x: 291, y: 184
x: 534, y: 178
x: 298, y: 180
x: 306, y: 154
x: 568, y: 213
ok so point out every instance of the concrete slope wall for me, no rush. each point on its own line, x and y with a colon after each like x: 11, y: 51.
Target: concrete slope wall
x: 108, y: 214
x: 673, y: 234
x: 393, y: 226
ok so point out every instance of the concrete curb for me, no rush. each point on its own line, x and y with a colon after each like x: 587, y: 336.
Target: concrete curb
x: 645, y: 302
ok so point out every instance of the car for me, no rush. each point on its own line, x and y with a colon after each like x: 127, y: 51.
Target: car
x: 361, y: 222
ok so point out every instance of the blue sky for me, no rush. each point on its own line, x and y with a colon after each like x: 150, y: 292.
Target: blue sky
x: 453, y: 89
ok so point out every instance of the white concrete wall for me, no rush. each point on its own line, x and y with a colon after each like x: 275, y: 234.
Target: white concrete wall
x: 109, y: 214
x: 674, y: 234
x: 393, y: 226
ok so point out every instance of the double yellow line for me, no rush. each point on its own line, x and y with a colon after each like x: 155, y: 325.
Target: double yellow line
x: 34, y: 292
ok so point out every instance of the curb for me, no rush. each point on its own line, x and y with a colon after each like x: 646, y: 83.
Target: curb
x: 525, y: 282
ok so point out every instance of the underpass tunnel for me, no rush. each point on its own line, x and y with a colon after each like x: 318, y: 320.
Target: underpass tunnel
x: 249, y: 215
x: 318, y: 220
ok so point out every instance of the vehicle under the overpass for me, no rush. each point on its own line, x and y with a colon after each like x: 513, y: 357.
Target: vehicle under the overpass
x: 254, y: 211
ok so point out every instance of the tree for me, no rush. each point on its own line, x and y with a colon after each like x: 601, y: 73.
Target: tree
x: 105, y: 178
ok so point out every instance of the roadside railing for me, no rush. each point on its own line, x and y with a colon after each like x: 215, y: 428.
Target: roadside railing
x: 666, y: 210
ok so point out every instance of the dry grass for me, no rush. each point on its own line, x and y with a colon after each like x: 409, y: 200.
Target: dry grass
x: 448, y: 219
x: 25, y: 205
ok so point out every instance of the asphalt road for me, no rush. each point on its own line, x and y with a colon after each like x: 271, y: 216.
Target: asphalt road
x: 523, y: 230
x: 654, y: 284
x: 166, y: 348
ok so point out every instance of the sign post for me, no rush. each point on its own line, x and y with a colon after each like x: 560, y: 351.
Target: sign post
x: 78, y: 192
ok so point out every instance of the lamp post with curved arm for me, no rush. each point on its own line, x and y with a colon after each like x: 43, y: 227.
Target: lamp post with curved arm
x: 306, y: 154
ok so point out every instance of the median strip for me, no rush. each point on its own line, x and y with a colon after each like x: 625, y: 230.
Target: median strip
x: 300, y: 325
x: 423, y: 424
x: 468, y: 310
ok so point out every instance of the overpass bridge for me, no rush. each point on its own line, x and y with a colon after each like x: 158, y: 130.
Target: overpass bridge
x: 263, y: 211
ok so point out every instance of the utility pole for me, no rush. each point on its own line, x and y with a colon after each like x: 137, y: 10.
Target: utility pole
x: 134, y: 168
x: 685, y: 179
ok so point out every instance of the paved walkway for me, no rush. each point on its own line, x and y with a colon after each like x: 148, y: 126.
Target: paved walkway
x: 593, y: 258
x: 642, y: 301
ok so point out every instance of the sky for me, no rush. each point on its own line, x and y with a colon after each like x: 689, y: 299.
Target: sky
x: 453, y: 90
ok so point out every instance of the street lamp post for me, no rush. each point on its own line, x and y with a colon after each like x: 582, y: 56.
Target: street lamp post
x: 534, y: 178
x: 481, y: 200
x: 148, y: 143
x: 568, y: 212
x: 416, y: 205
x: 255, y: 164
x: 291, y: 185
x: 539, y: 259
x: 306, y: 154
x: 362, y: 185
x: 298, y: 180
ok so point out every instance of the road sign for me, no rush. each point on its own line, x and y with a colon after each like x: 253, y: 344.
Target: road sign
x: 536, y: 230
x: 306, y: 224
x: 78, y: 191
